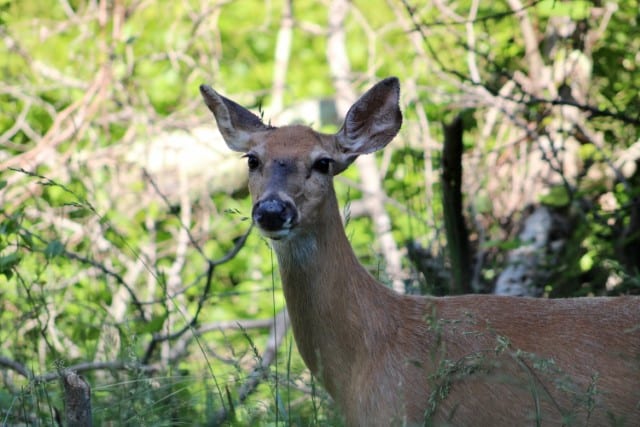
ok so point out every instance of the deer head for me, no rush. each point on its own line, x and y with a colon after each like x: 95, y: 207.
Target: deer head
x: 291, y: 168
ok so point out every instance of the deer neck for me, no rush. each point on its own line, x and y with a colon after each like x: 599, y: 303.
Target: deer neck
x: 324, y: 287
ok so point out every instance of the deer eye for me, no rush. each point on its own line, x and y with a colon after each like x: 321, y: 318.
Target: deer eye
x: 322, y: 165
x: 252, y: 161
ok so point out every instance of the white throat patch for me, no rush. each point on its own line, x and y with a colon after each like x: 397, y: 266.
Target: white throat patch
x: 295, y: 250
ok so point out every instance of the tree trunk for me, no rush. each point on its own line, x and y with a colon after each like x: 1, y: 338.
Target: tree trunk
x: 455, y: 226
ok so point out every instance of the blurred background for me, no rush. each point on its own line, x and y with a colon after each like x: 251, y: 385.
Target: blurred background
x: 125, y: 252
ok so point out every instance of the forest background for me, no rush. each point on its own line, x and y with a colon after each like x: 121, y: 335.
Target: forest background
x: 125, y: 252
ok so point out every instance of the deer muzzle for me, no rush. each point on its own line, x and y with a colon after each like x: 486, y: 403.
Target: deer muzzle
x: 275, y: 217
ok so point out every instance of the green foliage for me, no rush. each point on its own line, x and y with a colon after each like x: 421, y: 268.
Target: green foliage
x: 95, y: 265
x: 576, y: 10
x: 558, y: 197
x: 616, y: 66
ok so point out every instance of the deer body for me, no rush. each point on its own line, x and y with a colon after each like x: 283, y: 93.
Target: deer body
x: 389, y: 359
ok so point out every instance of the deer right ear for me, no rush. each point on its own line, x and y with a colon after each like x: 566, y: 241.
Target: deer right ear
x: 235, y: 123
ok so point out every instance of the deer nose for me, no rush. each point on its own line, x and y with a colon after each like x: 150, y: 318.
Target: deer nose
x: 274, y: 214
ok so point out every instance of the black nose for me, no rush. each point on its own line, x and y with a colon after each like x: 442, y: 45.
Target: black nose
x: 274, y: 214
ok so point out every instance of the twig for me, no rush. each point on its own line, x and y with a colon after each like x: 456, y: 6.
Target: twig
x: 278, y: 331
x: 119, y: 279
x: 180, y: 346
x: 478, y: 19
x: 78, y: 368
x: 212, y: 264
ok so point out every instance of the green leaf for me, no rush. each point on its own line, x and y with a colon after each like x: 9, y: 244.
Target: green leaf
x: 54, y: 248
x: 556, y: 197
x: 153, y: 325
x: 10, y: 226
x: 27, y: 239
x: 586, y: 262
x: 8, y: 262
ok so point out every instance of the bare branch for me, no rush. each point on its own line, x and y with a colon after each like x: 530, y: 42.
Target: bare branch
x: 158, y: 338
x: 15, y: 366
x: 532, y: 53
x: 78, y: 368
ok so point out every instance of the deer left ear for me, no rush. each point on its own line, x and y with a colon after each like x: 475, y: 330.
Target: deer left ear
x: 235, y: 123
x: 372, y: 122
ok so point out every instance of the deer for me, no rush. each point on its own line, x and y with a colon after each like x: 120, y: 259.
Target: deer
x: 392, y: 359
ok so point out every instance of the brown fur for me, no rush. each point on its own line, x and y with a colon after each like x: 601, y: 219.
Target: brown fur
x: 389, y: 359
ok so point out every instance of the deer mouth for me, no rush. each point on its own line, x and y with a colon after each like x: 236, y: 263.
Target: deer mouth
x: 275, y: 235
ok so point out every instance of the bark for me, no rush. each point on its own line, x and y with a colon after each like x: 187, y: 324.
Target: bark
x: 77, y: 398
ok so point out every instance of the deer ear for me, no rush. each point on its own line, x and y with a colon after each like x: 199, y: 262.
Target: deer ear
x: 235, y: 123
x: 372, y: 122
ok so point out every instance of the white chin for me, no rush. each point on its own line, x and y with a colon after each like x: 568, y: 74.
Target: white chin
x: 276, y: 235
